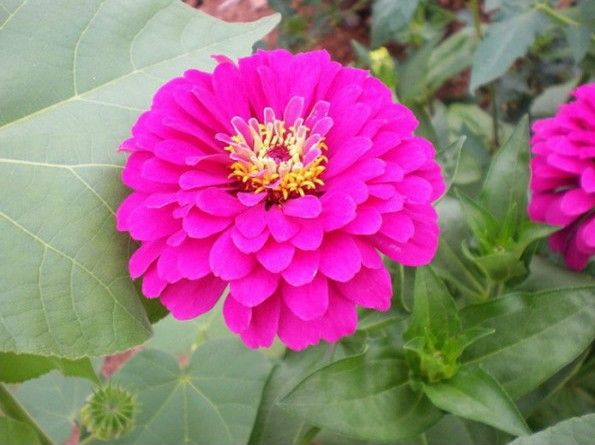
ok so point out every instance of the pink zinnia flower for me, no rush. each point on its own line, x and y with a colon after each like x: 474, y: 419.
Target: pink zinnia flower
x: 282, y: 177
x: 563, y: 177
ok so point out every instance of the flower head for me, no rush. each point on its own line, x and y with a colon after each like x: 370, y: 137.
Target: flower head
x: 563, y: 177
x: 284, y: 177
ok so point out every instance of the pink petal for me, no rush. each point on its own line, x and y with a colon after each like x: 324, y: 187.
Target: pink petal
x: 191, y: 298
x: 370, y: 288
x: 275, y: 257
x: 150, y: 224
x: 264, y: 324
x: 193, y: 258
x: 143, y: 257
x: 296, y: 333
x: 309, y: 301
x: 249, y: 245
x: 237, y: 316
x: 588, y: 180
x: 338, y: 209
x: 250, y: 199
x: 218, y: 202
x: 340, y: 319
x: 310, y: 235
x: 340, y: 258
x: 226, y: 261
x: 303, y: 207
x: 576, y: 202
x: 350, y: 152
x: 302, y: 269
x: 397, y: 226
x: 367, y: 222
x: 254, y: 288
x: 280, y: 226
x: 198, y: 224
x: 252, y: 221
x: 152, y: 285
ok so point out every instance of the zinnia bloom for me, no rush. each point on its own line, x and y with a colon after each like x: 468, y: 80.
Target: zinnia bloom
x: 282, y: 177
x: 563, y: 177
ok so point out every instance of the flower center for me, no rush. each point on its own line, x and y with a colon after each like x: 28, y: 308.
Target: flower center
x: 282, y: 157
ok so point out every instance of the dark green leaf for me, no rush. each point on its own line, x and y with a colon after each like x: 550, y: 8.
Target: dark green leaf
x: 453, y: 55
x: 274, y: 423
x: 434, y: 310
x: 576, y: 431
x: 474, y: 394
x: 450, y: 160
x: 546, y: 275
x: 507, y: 179
x: 75, y: 75
x: 54, y: 402
x: 13, y: 432
x: 536, y: 334
x: 212, y: 400
x: 547, y: 103
x: 505, y: 42
x: 15, y: 368
x: 365, y: 398
x: 388, y: 17
x: 483, y: 225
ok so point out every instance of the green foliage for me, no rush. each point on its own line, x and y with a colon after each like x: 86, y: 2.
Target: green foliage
x: 15, y: 368
x: 576, y: 431
x: 207, y: 401
x: 13, y: 432
x: 474, y: 394
x: 65, y: 288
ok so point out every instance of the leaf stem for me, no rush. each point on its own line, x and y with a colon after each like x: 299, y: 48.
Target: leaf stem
x: 476, y: 18
x: 401, y: 292
x: 495, y: 116
x: 560, y: 18
x: 12, y: 408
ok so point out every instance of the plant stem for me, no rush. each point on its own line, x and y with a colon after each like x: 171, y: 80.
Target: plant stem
x: 560, y: 18
x: 476, y: 18
x: 495, y: 116
x: 401, y: 292
x: 12, y: 408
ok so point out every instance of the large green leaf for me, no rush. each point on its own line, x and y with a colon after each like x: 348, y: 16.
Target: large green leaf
x: 74, y: 77
x: 504, y: 43
x: 536, y: 334
x: 212, y: 400
x: 368, y: 398
x: 507, y: 178
x: 388, y: 17
x: 434, y: 310
x: 575, y: 431
x: 474, y: 394
x: 13, y: 432
x: 16, y: 368
x: 54, y: 402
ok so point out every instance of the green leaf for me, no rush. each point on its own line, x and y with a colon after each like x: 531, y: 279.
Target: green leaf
x: 505, y: 42
x: 212, y: 400
x: 388, y: 17
x: 434, y: 310
x: 576, y: 431
x: 274, y: 424
x: 547, y: 103
x: 13, y: 432
x: 474, y: 394
x: 368, y: 398
x: 483, y: 225
x: 450, y: 161
x: 412, y: 83
x: 506, y: 182
x: 75, y: 77
x: 54, y: 402
x: 536, y: 334
x: 15, y: 368
x: 453, y: 55
x: 546, y: 275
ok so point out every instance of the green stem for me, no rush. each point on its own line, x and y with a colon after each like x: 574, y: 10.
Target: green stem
x: 476, y: 18
x: 495, y: 116
x: 560, y: 18
x: 401, y: 292
x: 423, y: 439
x: 12, y: 408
